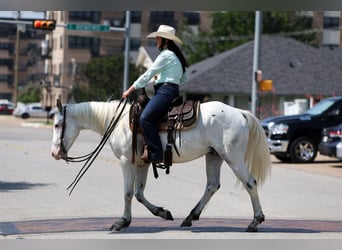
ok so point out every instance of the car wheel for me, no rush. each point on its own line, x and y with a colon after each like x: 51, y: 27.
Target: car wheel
x: 283, y: 158
x: 303, y: 150
x: 25, y: 116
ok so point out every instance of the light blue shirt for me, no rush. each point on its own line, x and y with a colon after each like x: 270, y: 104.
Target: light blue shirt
x: 169, y: 68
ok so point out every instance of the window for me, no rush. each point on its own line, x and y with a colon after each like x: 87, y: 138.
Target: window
x: 90, y: 16
x: 7, y: 46
x: 192, y: 18
x: 136, y: 16
x: 84, y: 42
x: 6, y: 78
x: 161, y: 17
x: 331, y: 22
x: 7, y: 62
x: 135, y: 44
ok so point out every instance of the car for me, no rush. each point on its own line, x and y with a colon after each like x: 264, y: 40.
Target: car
x: 6, y: 108
x: 295, y: 138
x: 32, y: 110
x: 331, y: 144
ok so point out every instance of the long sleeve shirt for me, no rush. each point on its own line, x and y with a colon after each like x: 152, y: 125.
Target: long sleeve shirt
x: 169, y: 68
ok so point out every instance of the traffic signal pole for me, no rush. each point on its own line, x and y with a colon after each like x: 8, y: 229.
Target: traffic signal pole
x: 257, y: 32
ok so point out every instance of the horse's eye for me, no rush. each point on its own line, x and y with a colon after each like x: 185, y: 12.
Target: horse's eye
x: 56, y: 126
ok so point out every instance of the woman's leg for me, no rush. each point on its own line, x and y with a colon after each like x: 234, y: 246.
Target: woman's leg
x: 154, y: 111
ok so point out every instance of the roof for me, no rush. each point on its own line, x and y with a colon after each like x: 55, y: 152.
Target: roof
x: 294, y: 67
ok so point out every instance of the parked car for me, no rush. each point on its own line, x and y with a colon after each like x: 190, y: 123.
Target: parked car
x: 331, y: 144
x: 32, y: 110
x: 6, y: 108
x: 295, y: 138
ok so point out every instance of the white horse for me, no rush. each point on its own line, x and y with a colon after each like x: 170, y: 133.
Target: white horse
x: 222, y: 133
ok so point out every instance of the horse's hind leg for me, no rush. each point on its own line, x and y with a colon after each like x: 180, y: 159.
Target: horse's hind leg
x: 213, y: 167
x: 140, y: 183
x: 250, y: 184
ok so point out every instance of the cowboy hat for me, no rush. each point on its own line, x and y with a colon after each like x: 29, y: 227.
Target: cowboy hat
x: 167, y: 32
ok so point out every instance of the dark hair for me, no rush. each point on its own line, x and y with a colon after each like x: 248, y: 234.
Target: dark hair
x: 171, y: 45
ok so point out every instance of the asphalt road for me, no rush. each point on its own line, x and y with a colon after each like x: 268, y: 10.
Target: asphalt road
x: 299, y: 201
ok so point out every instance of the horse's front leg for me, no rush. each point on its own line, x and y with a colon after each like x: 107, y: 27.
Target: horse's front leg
x: 213, y: 168
x: 128, y: 175
x: 140, y: 183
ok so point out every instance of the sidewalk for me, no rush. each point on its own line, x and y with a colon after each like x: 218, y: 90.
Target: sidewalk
x: 9, y: 121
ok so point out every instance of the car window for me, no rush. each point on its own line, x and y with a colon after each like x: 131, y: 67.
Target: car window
x: 320, y: 107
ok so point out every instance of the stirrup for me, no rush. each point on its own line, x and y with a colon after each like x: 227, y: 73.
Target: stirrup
x: 160, y: 165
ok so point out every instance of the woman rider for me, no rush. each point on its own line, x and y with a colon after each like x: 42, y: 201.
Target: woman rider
x: 170, y: 67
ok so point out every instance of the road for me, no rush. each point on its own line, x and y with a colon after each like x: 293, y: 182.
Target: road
x: 299, y: 201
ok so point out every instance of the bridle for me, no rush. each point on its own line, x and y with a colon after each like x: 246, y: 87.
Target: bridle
x: 61, y: 139
x: 88, y: 158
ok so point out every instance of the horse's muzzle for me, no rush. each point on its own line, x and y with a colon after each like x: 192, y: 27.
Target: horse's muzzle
x: 57, y: 153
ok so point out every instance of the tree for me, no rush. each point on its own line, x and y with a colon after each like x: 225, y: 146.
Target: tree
x: 233, y: 28
x: 30, y: 93
x: 102, y: 79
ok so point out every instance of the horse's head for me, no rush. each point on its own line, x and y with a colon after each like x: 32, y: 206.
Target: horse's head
x: 65, y: 131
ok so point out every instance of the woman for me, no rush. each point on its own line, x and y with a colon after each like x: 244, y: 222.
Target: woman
x: 169, y: 66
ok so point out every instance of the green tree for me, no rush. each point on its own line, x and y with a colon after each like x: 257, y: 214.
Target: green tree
x: 233, y: 28
x: 101, y: 79
x: 30, y: 93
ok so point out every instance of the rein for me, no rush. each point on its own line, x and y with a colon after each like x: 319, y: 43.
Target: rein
x: 89, y: 158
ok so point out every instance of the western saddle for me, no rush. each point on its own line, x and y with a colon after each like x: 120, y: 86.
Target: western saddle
x: 181, y: 115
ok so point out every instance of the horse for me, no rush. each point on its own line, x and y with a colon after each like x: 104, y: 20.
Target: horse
x: 221, y: 133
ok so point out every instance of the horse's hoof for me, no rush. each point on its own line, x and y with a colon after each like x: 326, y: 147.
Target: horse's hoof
x: 251, y: 229
x: 168, y: 215
x: 118, y: 225
x: 186, y: 223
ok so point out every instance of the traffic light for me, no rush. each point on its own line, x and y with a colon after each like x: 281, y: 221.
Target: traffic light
x: 266, y: 85
x: 43, y: 24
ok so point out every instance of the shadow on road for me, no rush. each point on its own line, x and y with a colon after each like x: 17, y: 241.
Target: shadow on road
x: 9, y: 186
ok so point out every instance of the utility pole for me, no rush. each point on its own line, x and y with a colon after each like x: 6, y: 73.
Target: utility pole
x: 257, y: 34
x: 16, y: 63
x: 127, y: 48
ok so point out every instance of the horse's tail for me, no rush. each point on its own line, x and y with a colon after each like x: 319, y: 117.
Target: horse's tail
x: 257, y: 156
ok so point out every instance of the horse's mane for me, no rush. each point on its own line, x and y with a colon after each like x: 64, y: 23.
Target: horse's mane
x: 99, y: 113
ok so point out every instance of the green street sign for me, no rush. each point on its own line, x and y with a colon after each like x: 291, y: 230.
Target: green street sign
x: 87, y: 27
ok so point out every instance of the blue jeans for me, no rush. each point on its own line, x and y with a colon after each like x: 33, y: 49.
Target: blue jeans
x: 154, y: 112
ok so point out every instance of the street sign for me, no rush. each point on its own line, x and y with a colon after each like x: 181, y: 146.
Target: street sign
x: 87, y: 27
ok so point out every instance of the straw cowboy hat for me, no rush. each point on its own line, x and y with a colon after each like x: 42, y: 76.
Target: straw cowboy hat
x: 167, y: 32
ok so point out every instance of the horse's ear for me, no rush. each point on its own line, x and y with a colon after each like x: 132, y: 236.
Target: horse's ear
x: 59, y: 105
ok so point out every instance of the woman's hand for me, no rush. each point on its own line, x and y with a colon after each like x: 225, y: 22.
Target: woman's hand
x: 126, y: 93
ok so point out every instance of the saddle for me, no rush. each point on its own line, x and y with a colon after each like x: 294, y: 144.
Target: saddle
x: 182, y: 115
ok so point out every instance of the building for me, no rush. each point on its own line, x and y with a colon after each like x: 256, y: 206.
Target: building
x: 329, y: 26
x: 19, y: 65
x: 70, y: 49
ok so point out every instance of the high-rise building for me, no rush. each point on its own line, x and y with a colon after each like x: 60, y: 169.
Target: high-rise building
x: 20, y: 56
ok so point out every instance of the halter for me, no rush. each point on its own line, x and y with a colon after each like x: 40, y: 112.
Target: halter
x: 89, y: 158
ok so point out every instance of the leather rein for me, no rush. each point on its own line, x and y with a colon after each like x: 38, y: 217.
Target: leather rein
x: 89, y: 158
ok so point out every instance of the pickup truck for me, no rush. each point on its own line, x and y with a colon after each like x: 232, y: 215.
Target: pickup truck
x: 295, y: 138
